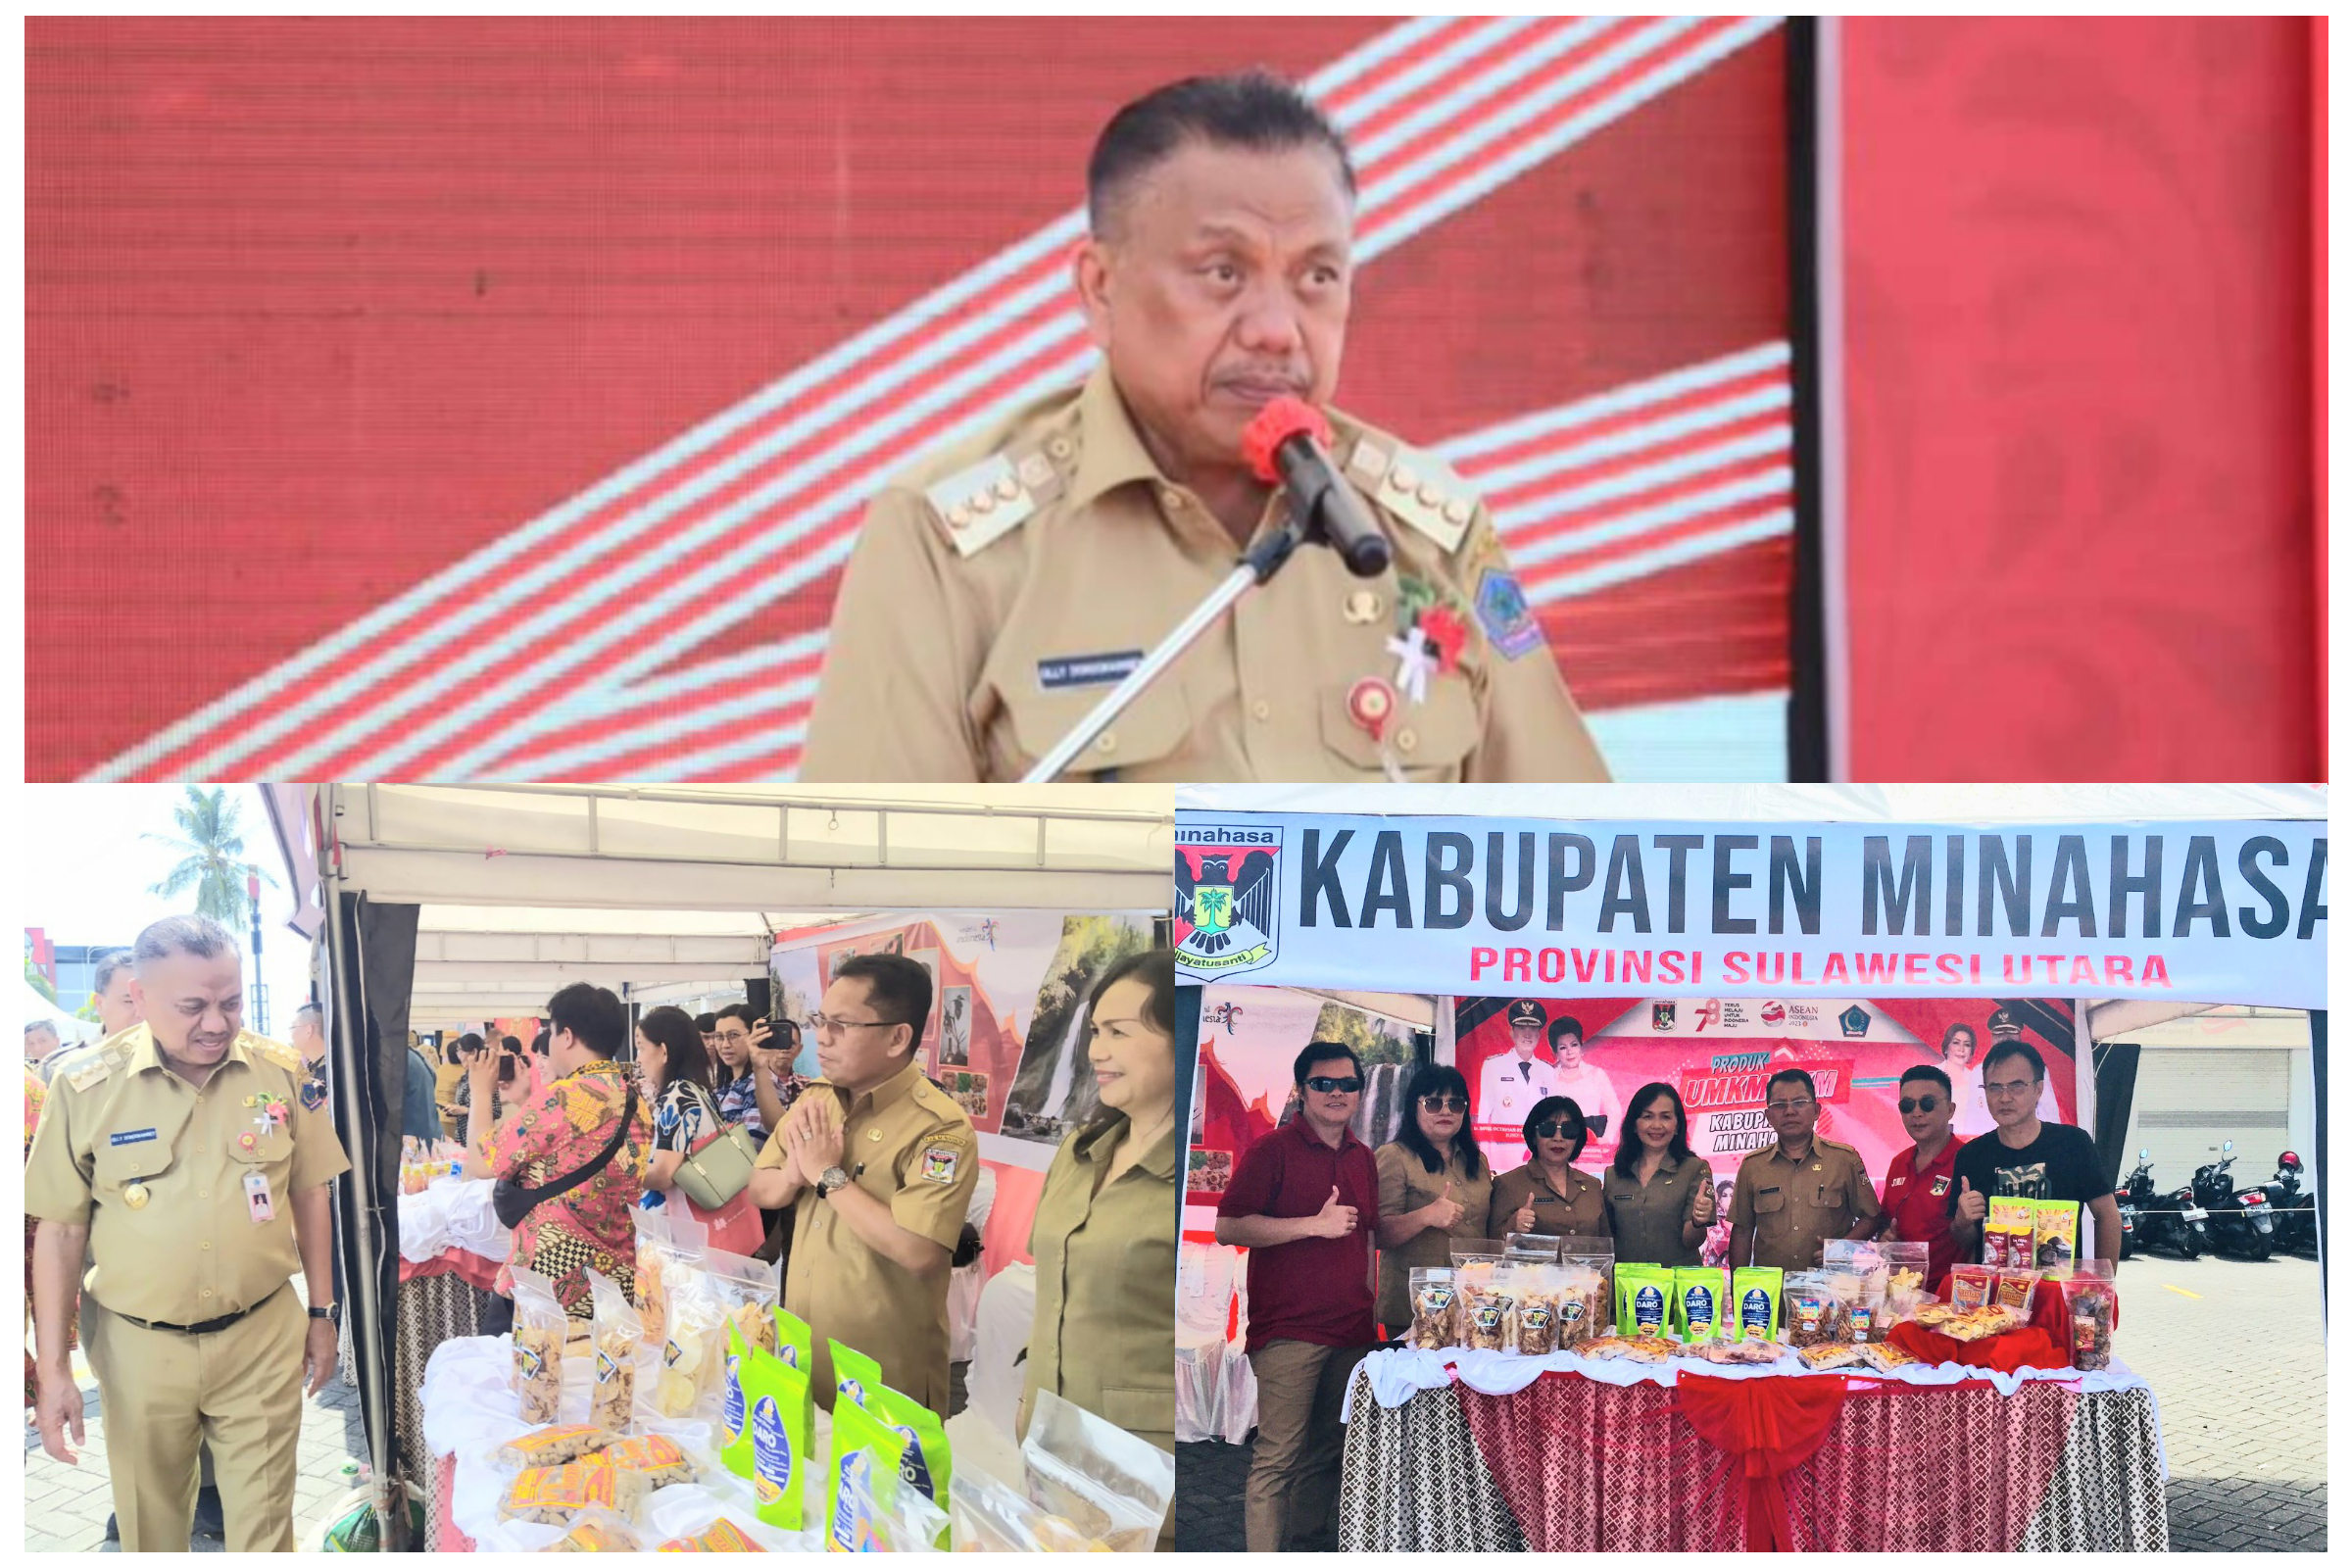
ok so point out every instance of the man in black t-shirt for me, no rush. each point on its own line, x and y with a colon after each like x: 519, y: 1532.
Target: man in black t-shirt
x: 2027, y: 1158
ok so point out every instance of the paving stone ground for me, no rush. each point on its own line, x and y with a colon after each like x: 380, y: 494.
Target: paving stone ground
x: 66, y: 1506
x: 2239, y: 1361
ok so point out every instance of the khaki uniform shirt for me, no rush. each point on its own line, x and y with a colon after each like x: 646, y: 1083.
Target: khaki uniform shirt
x: 191, y: 1251
x: 1796, y: 1205
x: 1648, y: 1221
x: 999, y: 589
x: 910, y: 1146
x: 1405, y: 1184
x: 1579, y: 1211
x: 1105, y: 1334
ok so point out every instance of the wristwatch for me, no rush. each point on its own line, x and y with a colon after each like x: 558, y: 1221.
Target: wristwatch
x: 832, y: 1181
x: 332, y: 1311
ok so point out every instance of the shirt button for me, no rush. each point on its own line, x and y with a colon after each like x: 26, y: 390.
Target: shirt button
x: 204, y: 1196
x: 204, y: 1292
x: 1170, y: 499
x: 1106, y: 741
x: 1261, y: 710
x: 1406, y: 740
x: 206, y: 1246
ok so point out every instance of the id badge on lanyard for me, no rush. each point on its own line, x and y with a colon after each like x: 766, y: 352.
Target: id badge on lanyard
x: 258, y: 1206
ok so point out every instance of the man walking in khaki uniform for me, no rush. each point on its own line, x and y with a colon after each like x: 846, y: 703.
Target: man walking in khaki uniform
x: 1003, y: 586
x: 1802, y: 1190
x: 182, y: 1159
x: 878, y: 1165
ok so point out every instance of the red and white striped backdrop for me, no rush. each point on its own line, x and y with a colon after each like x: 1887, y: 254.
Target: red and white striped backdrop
x: 1577, y: 292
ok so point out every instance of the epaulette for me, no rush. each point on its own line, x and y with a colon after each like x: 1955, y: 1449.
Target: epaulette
x: 978, y: 505
x: 269, y: 1050
x: 1419, y: 490
x: 80, y: 1077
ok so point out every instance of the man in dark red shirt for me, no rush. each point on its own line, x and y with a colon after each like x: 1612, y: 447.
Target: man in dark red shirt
x: 1918, y: 1179
x: 1303, y: 1200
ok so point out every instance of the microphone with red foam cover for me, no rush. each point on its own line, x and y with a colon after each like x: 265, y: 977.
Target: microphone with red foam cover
x: 1289, y: 444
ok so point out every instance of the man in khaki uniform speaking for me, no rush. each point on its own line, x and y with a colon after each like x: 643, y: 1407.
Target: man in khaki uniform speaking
x: 184, y: 1159
x: 1799, y: 1191
x: 1002, y: 586
x: 878, y: 1165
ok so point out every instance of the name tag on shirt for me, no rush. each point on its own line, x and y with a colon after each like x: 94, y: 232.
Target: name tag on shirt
x: 258, y: 1206
x: 145, y: 1135
x: 1087, y: 669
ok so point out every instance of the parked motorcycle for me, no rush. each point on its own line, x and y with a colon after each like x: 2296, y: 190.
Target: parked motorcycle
x: 2293, y: 1211
x: 2171, y: 1223
x: 2242, y: 1219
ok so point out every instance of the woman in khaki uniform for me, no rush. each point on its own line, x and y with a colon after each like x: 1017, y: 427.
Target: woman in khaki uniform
x: 1433, y: 1186
x: 1547, y: 1196
x: 1661, y: 1195
x: 1104, y: 1232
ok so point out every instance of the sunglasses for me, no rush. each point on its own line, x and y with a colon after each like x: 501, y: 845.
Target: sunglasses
x: 1923, y: 1102
x: 1443, y: 1103
x: 1557, y: 1129
x: 1335, y: 1086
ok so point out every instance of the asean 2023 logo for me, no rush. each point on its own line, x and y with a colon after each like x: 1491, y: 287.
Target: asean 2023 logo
x: 1228, y: 899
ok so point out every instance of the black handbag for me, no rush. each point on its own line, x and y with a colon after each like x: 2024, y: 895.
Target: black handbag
x: 511, y: 1201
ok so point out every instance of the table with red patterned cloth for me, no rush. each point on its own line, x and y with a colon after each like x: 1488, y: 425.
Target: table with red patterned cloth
x: 1570, y: 1463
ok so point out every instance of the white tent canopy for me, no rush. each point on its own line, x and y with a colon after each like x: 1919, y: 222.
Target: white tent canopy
x: 679, y: 890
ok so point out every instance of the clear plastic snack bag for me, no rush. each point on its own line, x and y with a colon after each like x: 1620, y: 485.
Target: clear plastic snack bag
x: 1584, y: 1300
x: 612, y: 1386
x: 671, y: 1242
x: 690, y: 1359
x: 1437, y: 1312
x: 986, y: 1515
x: 598, y: 1529
x: 541, y: 1327
x: 1811, y: 1308
x: 2089, y: 1294
x: 1110, y: 1484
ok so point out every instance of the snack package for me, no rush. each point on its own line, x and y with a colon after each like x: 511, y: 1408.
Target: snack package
x: 795, y: 1344
x: 721, y: 1536
x: 540, y: 1329
x: 2014, y: 1289
x: 1981, y: 1323
x: 1810, y: 1304
x: 877, y: 1481
x: 1436, y: 1314
x: 553, y: 1445
x: 1487, y: 1319
x: 1584, y: 1303
x: 692, y: 1355
x: 1644, y: 1293
x: 746, y: 1291
x: 1972, y: 1285
x: 613, y: 1388
x: 1754, y: 1312
x: 1697, y: 1303
x: 1110, y: 1484
x: 598, y: 1529
x: 734, y: 1447
x: 1647, y: 1347
x: 922, y: 1453
x: 776, y: 1428
x: 671, y: 1242
x: 1866, y: 1316
x: 1735, y: 1352
x: 1828, y: 1356
x: 855, y: 1521
x: 1522, y: 1247
x: 1536, y: 1309
x: 1881, y: 1356
x: 986, y: 1515
x: 557, y: 1494
x: 856, y: 1374
x: 651, y: 1455
x: 2090, y: 1319
x: 2055, y: 1221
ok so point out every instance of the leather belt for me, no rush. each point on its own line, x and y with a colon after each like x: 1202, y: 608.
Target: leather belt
x: 207, y: 1326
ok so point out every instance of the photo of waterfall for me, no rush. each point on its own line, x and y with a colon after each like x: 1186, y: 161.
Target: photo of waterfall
x: 1053, y: 1089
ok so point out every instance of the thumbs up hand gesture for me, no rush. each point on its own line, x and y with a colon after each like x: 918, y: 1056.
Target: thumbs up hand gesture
x: 1972, y: 1203
x: 1702, y: 1213
x: 1334, y: 1218
x: 1445, y: 1211
x: 1524, y: 1221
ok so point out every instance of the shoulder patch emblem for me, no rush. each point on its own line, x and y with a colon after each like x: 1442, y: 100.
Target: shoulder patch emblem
x: 941, y: 1162
x: 1504, y: 614
x: 1418, y: 490
x: 987, y: 501
x: 314, y: 1093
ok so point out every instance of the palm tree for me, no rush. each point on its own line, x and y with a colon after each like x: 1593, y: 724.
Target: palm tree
x: 214, y: 863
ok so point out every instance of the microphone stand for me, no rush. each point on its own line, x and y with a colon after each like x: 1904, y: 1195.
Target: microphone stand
x: 1257, y: 565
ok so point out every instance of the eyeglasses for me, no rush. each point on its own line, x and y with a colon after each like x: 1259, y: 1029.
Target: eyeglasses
x: 2021, y: 1085
x: 1788, y: 1105
x: 1443, y: 1103
x: 1557, y: 1129
x: 1923, y: 1102
x: 1335, y: 1086
x: 833, y: 1026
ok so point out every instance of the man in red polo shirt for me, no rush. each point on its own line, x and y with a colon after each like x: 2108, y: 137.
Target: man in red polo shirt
x: 1303, y: 1200
x: 1918, y: 1179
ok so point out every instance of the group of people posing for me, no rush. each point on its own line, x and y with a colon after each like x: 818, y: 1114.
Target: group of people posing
x: 1335, y: 1227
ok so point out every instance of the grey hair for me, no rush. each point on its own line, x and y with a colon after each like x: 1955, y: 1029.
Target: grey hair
x: 115, y: 962
x: 199, y: 935
x: 310, y: 1009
